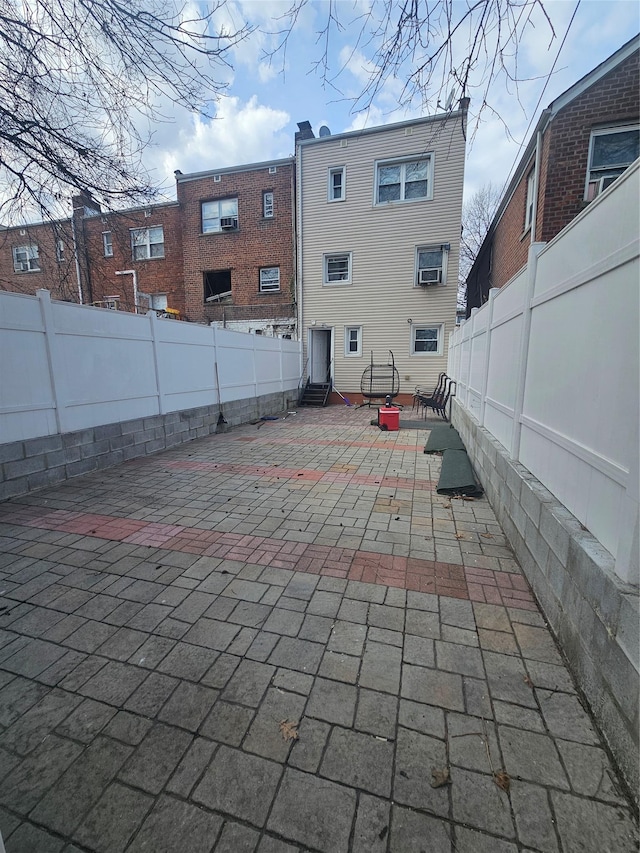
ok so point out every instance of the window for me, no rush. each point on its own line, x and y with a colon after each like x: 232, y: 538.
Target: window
x: 217, y: 284
x: 528, y: 213
x: 273, y: 170
x: 336, y: 189
x: 26, y: 259
x: 403, y: 181
x: 611, y: 151
x: 431, y: 265
x: 59, y: 251
x: 154, y: 301
x: 219, y: 215
x: 107, y: 244
x: 269, y: 279
x: 337, y: 268
x: 147, y: 243
x: 267, y: 205
x: 353, y: 340
x: 426, y: 340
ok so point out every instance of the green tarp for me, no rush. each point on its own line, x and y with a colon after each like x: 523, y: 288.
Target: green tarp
x: 442, y: 438
x: 456, y: 475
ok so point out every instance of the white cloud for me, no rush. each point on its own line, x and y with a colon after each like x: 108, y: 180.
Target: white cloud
x: 241, y: 133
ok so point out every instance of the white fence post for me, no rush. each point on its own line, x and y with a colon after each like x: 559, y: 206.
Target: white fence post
x: 521, y: 375
x: 487, y: 353
x: 255, y: 372
x: 153, y: 320
x: 216, y: 372
x: 54, y: 358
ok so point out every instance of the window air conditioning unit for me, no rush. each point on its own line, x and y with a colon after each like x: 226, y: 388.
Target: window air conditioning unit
x: 427, y: 277
x: 228, y: 222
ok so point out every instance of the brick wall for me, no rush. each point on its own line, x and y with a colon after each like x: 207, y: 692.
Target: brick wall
x: 157, y: 275
x: 610, y: 101
x: 510, y: 242
x: 563, y: 167
x: 55, y: 274
x: 258, y: 242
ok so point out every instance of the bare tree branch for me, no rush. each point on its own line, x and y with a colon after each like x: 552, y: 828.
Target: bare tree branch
x: 432, y: 48
x: 477, y: 216
x: 78, y: 81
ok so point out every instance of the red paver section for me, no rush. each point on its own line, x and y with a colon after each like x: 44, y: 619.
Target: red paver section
x: 450, y: 579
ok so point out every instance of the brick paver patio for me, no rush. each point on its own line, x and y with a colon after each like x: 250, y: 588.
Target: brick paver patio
x: 167, y: 627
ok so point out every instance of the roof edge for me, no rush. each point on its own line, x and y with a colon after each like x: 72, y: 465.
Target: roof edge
x: 230, y: 170
x: 380, y: 128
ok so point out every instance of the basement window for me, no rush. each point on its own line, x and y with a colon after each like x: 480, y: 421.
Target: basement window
x: 217, y: 284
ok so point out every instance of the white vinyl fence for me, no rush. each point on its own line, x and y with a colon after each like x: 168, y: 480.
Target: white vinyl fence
x: 66, y: 367
x: 549, y: 366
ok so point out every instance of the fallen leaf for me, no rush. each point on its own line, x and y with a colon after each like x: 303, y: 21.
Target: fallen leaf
x: 502, y: 780
x: 528, y: 681
x: 446, y: 506
x: 459, y: 535
x: 487, y: 535
x: 383, y: 833
x: 440, y: 778
x: 467, y: 498
x: 289, y: 729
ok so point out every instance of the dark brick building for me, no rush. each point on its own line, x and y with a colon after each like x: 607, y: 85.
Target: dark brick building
x: 39, y: 256
x: 584, y: 140
x: 223, y: 252
x: 238, y: 246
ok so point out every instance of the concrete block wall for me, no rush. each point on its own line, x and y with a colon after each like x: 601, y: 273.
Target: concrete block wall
x: 39, y: 462
x: 593, y: 614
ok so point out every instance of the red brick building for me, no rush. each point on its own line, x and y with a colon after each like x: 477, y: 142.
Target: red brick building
x: 39, y: 256
x: 223, y: 252
x: 132, y: 258
x: 238, y: 246
x: 583, y: 141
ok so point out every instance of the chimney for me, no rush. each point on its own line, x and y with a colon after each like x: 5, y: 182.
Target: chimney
x: 84, y: 201
x: 304, y: 132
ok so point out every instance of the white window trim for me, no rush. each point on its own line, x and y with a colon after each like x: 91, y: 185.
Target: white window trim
x: 432, y: 247
x: 333, y: 171
x: 265, y: 207
x: 107, y: 245
x: 220, y: 229
x: 32, y: 256
x: 530, y: 200
x: 400, y: 161
x: 268, y: 289
x: 602, y: 131
x: 347, y: 341
x: 60, y: 251
x: 147, y: 244
x: 440, y: 347
x: 325, y: 274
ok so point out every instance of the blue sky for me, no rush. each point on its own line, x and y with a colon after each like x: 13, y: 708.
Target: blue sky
x: 256, y: 120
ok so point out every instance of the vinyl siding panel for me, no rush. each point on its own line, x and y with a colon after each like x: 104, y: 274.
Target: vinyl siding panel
x: 382, y: 240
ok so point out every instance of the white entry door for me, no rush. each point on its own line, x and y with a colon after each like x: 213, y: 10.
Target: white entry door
x: 320, y: 351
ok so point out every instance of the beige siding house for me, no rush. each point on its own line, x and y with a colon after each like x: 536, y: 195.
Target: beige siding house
x: 378, y: 224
